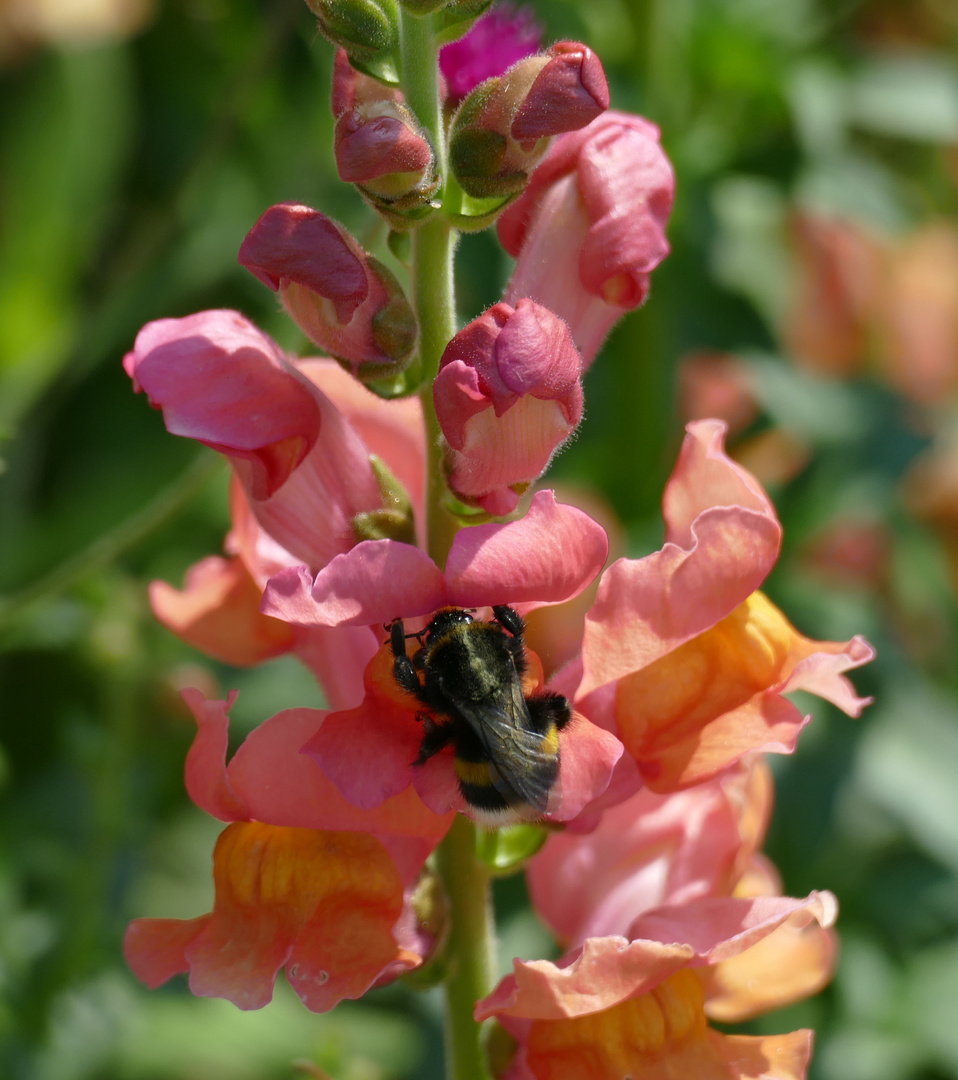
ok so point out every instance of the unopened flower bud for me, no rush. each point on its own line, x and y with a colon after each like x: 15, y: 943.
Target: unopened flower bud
x: 507, y: 396
x: 381, y: 147
x: 344, y: 300
x: 501, y: 130
x: 367, y: 29
x: 501, y: 38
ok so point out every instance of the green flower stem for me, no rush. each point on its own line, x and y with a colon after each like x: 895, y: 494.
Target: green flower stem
x: 469, y: 952
x: 464, y: 877
x: 420, y: 78
x: 433, y: 248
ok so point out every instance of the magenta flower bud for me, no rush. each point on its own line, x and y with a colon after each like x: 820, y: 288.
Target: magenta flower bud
x: 507, y: 396
x: 501, y: 130
x: 501, y: 38
x: 344, y: 300
x: 590, y: 227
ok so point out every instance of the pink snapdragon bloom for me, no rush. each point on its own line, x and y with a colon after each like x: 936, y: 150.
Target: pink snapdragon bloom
x: 299, y: 436
x: 501, y: 38
x: 682, y: 657
x: 546, y: 557
x: 636, y: 1004
x: 655, y: 851
x: 590, y: 227
x: 221, y: 381
x: 303, y: 879
x: 647, y: 851
x: 345, y: 301
x: 507, y: 396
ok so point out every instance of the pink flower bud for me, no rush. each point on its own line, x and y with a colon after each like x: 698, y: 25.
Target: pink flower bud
x: 344, y: 300
x: 507, y: 396
x: 590, y: 227
x: 380, y: 146
x: 498, y: 135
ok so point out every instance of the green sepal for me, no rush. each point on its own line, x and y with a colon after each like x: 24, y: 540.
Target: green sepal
x: 369, y: 32
x: 395, y: 519
x: 400, y: 385
x: 457, y: 17
x: 505, y: 851
x: 468, y: 515
x: 399, y: 242
x: 469, y: 214
x: 423, y: 7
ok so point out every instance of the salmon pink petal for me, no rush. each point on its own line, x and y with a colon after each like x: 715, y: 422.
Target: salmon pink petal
x: 312, y: 515
x: 269, y: 779
x: 606, y: 970
x: 436, y: 784
x: 322, y: 903
x: 587, y: 758
x: 218, y: 613
x: 211, y: 374
x: 155, y: 949
x: 392, y: 430
x: 791, y: 964
x: 705, y: 476
x: 722, y: 539
x: 338, y: 656
x: 709, y: 701
x: 599, y: 974
x: 283, y: 786
x: 647, y: 607
x: 767, y: 723
x: 367, y: 752
x: 649, y: 851
x: 821, y: 673
x: 718, y: 927
x: 623, y: 784
x: 373, y: 583
x: 207, y: 782
x: 660, y: 1035
x: 766, y: 1057
x: 549, y: 555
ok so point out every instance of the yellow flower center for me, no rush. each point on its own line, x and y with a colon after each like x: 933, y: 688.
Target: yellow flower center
x: 718, y: 671
x: 661, y: 1035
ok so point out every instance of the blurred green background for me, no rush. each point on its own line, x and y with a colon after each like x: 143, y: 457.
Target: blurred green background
x: 811, y: 297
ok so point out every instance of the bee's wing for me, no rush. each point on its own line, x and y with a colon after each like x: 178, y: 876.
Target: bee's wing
x: 504, y: 729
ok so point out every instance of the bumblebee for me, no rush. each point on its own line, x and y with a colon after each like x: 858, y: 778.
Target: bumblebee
x: 467, y: 675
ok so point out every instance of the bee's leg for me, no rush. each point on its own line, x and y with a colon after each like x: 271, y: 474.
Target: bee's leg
x: 435, y: 737
x: 546, y: 708
x: 512, y: 622
x: 403, y: 669
x: 510, y: 619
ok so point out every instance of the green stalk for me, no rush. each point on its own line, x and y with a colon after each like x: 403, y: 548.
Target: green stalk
x: 465, y: 879
x: 469, y: 952
x: 433, y: 248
